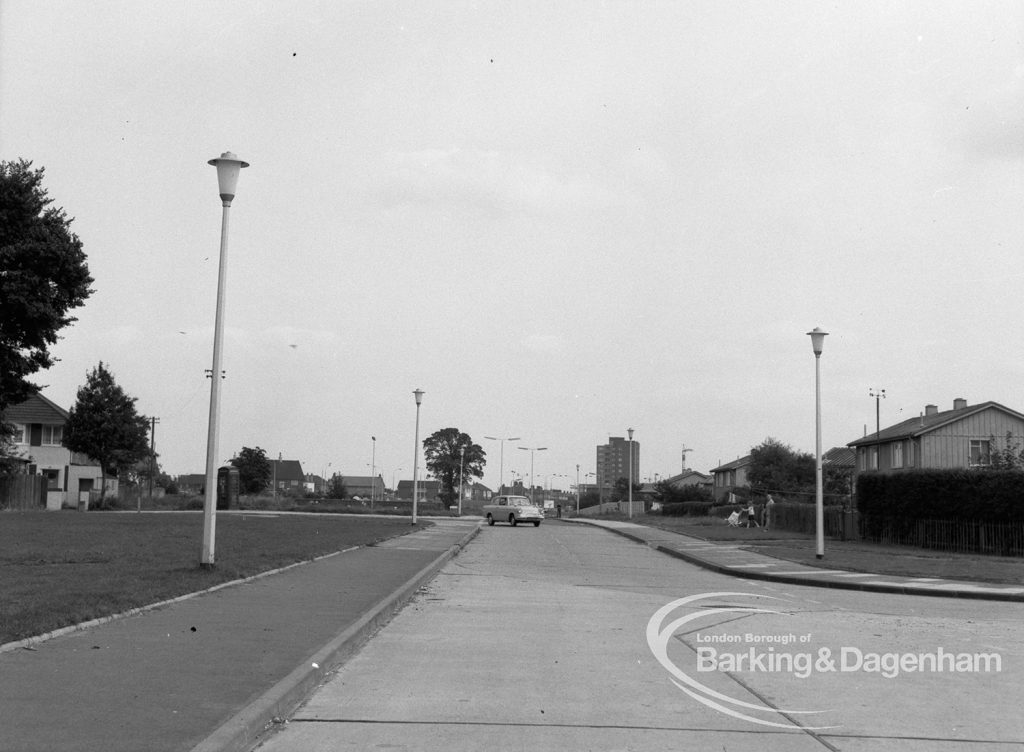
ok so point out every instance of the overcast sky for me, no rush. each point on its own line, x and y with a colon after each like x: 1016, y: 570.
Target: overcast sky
x: 560, y: 220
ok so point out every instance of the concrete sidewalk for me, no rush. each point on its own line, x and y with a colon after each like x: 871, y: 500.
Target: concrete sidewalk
x: 212, y: 671
x: 733, y: 559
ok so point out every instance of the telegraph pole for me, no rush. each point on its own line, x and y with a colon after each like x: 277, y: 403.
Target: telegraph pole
x: 152, y: 460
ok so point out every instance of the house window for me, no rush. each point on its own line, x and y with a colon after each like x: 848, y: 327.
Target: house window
x: 897, y: 454
x: 52, y: 478
x: 20, y: 433
x: 52, y: 435
x: 862, y: 459
x: 979, y: 452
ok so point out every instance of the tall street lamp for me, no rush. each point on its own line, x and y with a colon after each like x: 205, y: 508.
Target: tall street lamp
x: 630, y: 491
x: 817, y: 342
x: 373, y: 471
x: 533, y: 482
x: 228, y: 166
x: 462, y: 459
x: 418, y: 394
x: 501, y: 463
x: 879, y: 395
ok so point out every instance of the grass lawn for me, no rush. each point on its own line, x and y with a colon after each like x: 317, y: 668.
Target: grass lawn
x: 855, y: 556
x: 62, y: 568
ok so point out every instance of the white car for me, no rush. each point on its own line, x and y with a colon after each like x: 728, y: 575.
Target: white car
x: 512, y: 509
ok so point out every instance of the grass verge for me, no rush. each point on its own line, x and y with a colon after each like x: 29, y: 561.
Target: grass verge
x: 854, y: 556
x: 58, y: 569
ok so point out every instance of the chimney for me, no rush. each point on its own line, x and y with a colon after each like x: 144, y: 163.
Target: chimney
x: 931, y: 409
x: 959, y: 403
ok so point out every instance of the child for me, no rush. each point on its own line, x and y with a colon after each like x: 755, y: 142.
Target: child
x: 751, y: 515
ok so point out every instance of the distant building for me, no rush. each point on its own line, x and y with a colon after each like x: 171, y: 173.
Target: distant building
x: 364, y: 486
x: 613, y: 461
x: 429, y: 490
x: 730, y: 476
x: 287, y: 475
x: 690, y: 478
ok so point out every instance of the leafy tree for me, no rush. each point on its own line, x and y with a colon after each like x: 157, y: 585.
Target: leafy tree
x: 336, y: 488
x: 43, y: 276
x: 1010, y: 457
x: 620, y: 491
x: 443, y: 451
x: 254, y: 470
x: 104, y: 425
x: 776, y: 467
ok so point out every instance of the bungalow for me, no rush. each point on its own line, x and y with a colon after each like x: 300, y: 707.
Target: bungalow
x: 689, y: 478
x: 955, y: 438
x: 38, y: 433
x: 429, y: 490
x: 730, y: 476
x: 364, y: 486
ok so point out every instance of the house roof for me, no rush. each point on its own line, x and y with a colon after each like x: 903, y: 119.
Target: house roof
x: 361, y: 480
x: 914, y: 427
x: 839, y: 457
x: 287, y: 470
x: 36, y: 409
x: 737, y: 463
x: 685, y: 475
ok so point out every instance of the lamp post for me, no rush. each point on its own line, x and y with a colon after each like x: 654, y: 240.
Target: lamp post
x: 228, y: 166
x: 577, y: 488
x: 533, y: 482
x: 501, y: 461
x: 373, y: 471
x: 630, y: 491
x: 418, y: 394
x: 462, y: 459
x: 817, y: 342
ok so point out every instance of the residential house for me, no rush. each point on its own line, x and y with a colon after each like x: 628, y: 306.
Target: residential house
x: 478, y: 492
x: 365, y: 486
x: 287, y: 476
x: 689, y: 478
x: 429, y: 490
x: 39, y: 430
x: 730, y: 476
x: 957, y: 438
x: 191, y: 483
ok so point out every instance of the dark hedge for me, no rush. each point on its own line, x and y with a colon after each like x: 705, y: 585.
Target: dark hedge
x: 959, y: 495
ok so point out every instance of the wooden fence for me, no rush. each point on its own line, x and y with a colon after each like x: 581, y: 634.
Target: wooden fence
x: 1002, y: 538
x: 23, y: 492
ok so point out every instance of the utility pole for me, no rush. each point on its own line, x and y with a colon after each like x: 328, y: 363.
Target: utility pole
x: 686, y: 450
x: 879, y: 395
x: 152, y: 460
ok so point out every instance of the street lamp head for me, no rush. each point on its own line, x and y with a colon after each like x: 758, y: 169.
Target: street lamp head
x: 630, y: 432
x: 418, y: 394
x: 228, y: 167
x: 817, y: 339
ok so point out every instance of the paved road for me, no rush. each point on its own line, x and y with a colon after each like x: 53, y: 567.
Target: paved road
x: 539, y: 639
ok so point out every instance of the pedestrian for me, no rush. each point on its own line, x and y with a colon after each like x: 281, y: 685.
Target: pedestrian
x: 768, y: 508
x: 751, y: 515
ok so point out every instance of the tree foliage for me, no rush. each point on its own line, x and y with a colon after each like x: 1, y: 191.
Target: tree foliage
x: 104, y: 425
x: 336, y: 488
x: 254, y: 470
x: 776, y: 467
x: 443, y: 451
x: 1009, y: 457
x: 43, y: 276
